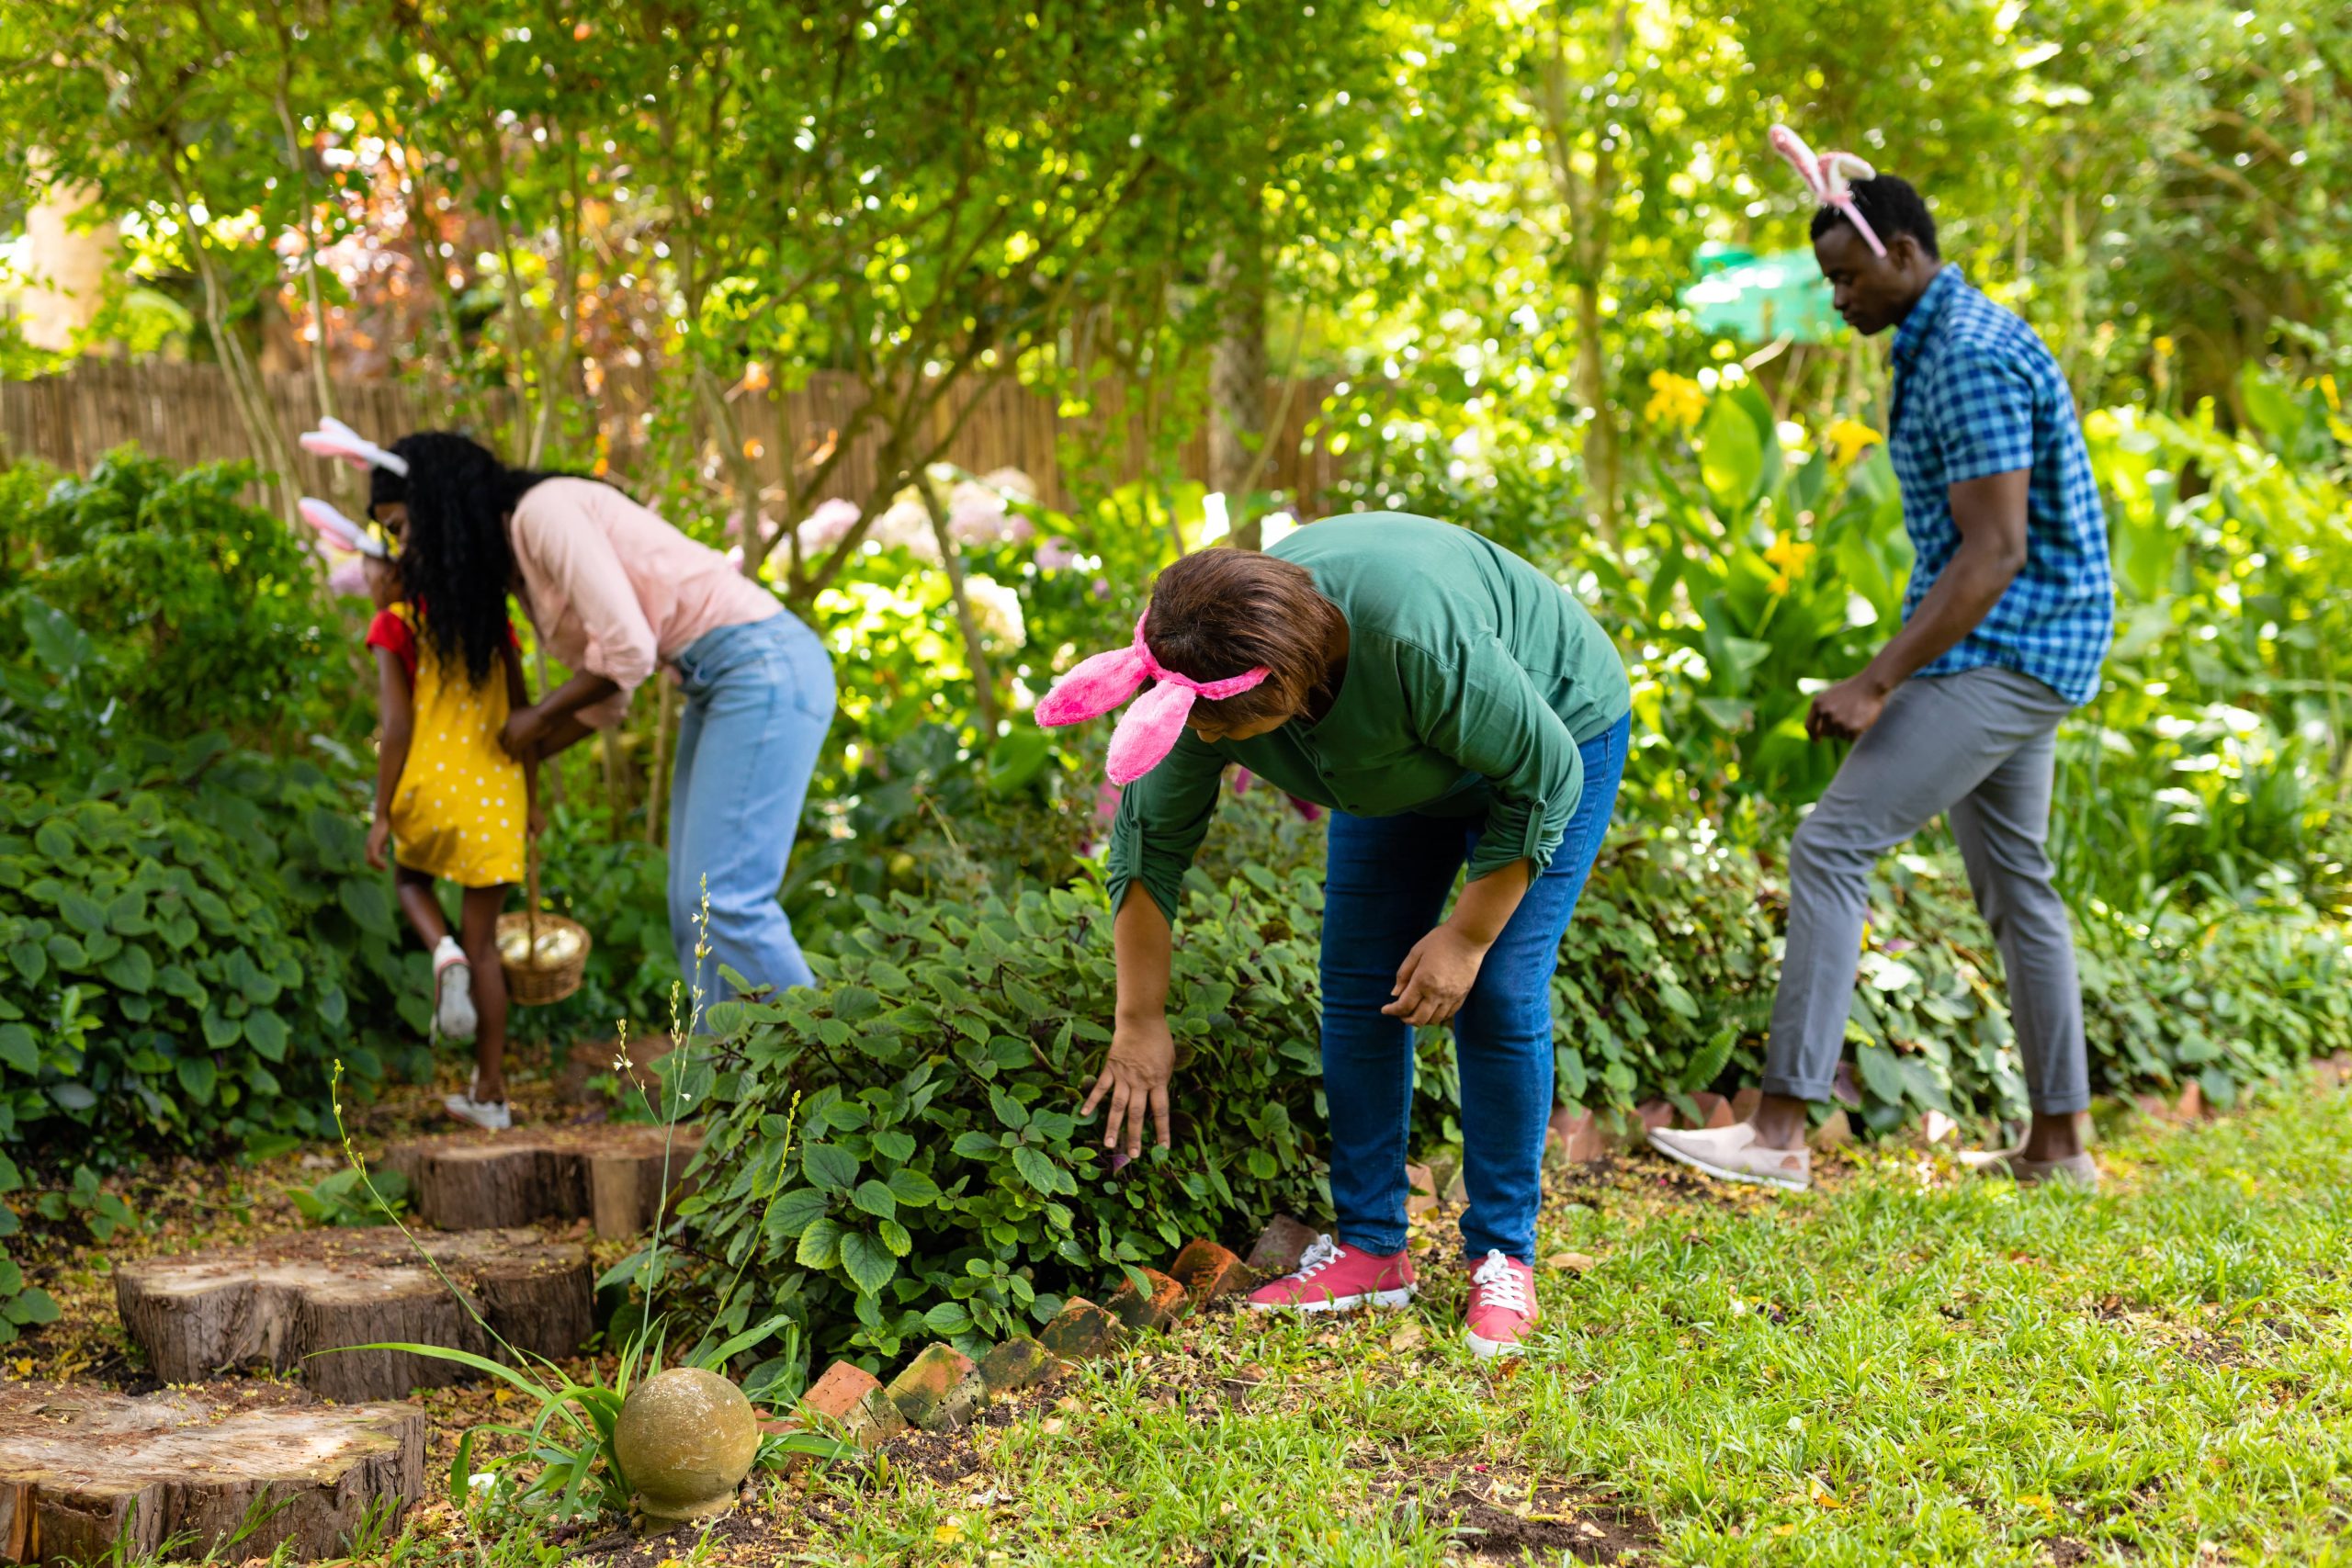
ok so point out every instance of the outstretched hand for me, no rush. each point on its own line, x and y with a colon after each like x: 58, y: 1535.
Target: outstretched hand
x: 1135, y: 1080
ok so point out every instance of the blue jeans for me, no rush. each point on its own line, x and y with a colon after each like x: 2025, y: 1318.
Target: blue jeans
x: 759, y: 701
x: 1384, y: 888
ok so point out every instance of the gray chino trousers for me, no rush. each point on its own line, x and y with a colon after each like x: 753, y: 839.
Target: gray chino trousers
x: 1979, y: 747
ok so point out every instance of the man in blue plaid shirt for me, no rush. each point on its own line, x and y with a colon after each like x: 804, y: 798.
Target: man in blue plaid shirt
x: 2005, y: 623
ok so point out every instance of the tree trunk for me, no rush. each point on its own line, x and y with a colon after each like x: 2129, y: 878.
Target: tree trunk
x: 983, y: 679
x: 245, y: 385
x: 1593, y: 389
x: 282, y: 1301
x: 1238, y: 380
x: 91, y: 1476
x: 610, y: 1175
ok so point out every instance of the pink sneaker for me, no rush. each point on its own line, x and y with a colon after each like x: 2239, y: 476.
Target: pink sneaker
x: 1332, y: 1278
x: 1502, y: 1305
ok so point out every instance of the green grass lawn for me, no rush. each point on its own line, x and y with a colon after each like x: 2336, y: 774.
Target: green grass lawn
x: 1903, y: 1366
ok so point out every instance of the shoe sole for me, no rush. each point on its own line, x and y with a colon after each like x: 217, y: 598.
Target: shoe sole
x: 472, y: 1121
x: 1487, y: 1349
x: 1341, y: 1303
x: 1725, y: 1173
x: 453, y: 1011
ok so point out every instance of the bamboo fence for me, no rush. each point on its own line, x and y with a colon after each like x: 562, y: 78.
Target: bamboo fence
x: 185, y: 413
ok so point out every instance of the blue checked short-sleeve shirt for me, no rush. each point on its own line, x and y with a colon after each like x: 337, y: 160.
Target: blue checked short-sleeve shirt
x: 1975, y: 394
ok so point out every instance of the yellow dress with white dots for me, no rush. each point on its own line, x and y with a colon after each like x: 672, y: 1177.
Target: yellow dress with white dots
x: 459, y: 809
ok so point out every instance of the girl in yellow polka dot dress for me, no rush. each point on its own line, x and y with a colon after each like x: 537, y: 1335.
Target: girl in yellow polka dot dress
x: 453, y: 805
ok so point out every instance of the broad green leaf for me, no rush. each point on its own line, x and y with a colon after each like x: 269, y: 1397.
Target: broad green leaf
x: 1880, y: 1072
x: 84, y: 913
x: 221, y: 1033
x: 131, y: 969
x: 876, y: 1199
x: 866, y: 1261
x: 367, y: 902
x: 821, y: 1244
x: 19, y: 1048
x: 913, y: 1189
x: 34, y: 1306
x: 1039, y: 1171
x: 829, y: 1166
x: 197, y: 1075
x: 266, y: 1032
x: 794, y: 1211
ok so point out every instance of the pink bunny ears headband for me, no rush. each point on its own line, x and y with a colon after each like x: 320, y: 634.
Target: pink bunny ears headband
x: 335, y: 439
x: 1825, y: 176
x: 341, y: 531
x: 1148, y: 731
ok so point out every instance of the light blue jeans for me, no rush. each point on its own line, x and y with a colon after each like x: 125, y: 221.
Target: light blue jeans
x: 1385, y: 885
x: 759, y: 701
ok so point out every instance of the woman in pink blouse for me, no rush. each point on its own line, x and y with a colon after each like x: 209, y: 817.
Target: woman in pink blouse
x: 614, y: 593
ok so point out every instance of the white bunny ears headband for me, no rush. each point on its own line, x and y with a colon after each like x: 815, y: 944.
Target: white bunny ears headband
x: 335, y: 439
x: 1825, y: 174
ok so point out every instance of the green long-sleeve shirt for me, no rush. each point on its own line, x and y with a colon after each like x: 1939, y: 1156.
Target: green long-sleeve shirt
x: 1472, y: 677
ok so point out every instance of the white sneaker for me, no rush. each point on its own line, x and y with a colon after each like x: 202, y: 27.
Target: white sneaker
x: 1731, y: 1154
x: 453, y: 993
x: 490, y: 1115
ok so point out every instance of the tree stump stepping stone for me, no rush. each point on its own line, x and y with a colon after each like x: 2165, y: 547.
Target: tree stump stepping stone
x: 610, y: 1173
x: 81, y: 1469
x: 283, y: 1299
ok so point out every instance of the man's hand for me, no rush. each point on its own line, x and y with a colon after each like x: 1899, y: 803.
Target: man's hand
x: 525, y: 727
x: 379, y: 838
x: 1846, y: 710
x: 1135, y: 1076
x: 1435, y: 977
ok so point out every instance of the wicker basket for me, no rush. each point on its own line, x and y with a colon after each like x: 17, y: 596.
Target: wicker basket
x: 531, y: 983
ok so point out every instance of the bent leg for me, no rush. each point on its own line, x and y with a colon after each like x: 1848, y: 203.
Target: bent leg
x: 763, y: 721
x: 478, y: 935
x: 1504, y: 1033
x: 1938, y: 738
x: 1384, y: 881
x: 2003, y: 826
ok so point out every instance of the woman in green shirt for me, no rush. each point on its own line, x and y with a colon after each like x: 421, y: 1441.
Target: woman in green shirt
x: 1449, y: 703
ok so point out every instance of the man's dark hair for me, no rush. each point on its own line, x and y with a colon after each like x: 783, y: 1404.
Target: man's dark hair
x: 1890, y: 206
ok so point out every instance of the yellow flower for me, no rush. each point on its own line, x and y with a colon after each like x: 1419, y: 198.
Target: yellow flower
x: 953, y: 1530
x: 1848, y: 438
x: 2163, y: 347
x: 1791, y: 556
x: 1675, y: 399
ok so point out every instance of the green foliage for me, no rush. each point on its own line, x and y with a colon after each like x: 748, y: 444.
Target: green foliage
x: 947, y: 1189
x: 347, y: 1196
x: 190, y: 936
x: 163, y: 605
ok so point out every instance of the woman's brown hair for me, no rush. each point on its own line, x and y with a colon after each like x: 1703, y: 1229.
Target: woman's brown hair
x: 1223, y: 612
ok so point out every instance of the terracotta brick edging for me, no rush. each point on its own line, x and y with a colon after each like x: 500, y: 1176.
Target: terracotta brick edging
x: 942, y: 1387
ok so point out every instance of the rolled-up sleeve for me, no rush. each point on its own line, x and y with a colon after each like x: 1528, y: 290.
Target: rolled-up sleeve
x: 1480, y: 709
x: 1162, y: 820
x: 575, y: 555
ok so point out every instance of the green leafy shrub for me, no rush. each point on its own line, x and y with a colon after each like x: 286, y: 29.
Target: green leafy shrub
x: 188, y: 945
x: 198, y: 612
x: 947, y: 1188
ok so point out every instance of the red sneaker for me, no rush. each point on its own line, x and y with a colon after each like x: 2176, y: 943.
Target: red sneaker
x: 1332, y: 1278
x: 1502, y: 1305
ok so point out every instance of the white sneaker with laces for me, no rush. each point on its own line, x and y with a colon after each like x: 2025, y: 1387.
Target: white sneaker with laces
x: 491, y: 1115
x: 453, y: 993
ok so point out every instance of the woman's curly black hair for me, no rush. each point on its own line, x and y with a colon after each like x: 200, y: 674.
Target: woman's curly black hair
x: 457, y: 562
